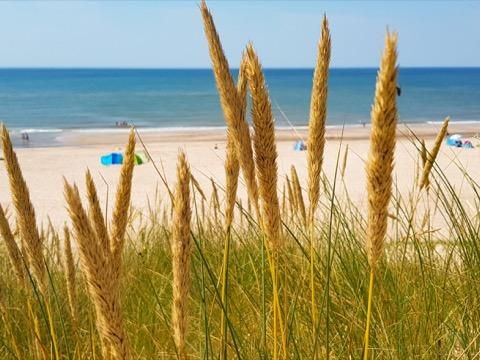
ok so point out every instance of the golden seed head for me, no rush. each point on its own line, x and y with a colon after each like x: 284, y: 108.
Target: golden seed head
x: 432, y: 156
x: 318, y: 115
x: 13, y: 251
x: 181, y: 253
x: 25, y: 212
x: 265, y: 147
x: 382, y: 146
x: 233, y: 102
x: 232, y: 168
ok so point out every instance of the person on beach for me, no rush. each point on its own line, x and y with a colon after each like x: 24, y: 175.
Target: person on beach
x: 25, y: 137
x: 121, y: 124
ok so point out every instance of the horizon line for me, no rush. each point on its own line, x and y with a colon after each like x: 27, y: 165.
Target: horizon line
x: 232, y: 68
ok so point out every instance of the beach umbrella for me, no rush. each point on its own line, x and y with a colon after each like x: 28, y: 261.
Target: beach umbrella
x: 141, y: 158
x: 113, y: 158
x: 116, y: 158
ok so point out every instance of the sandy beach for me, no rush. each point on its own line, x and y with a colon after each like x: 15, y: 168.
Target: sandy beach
x: 44, y: 168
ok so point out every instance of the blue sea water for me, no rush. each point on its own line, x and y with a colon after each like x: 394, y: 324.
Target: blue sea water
x: 55, y: 100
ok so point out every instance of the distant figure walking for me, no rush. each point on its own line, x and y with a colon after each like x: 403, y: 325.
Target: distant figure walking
x: 25, y: 137
x: 121, y: 124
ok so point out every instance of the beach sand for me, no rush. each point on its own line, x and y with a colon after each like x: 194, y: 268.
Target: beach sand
x: 44, y: 168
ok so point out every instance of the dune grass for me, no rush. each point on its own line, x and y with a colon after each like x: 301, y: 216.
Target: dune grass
x: 193, y: 276
x: 425, y: 304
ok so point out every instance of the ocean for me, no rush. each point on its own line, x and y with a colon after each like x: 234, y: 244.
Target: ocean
x: 52, y: 101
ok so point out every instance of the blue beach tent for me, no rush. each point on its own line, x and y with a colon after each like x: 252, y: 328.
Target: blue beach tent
x: 454, y: 140
x: 299, y: 146
x: 112, y: 159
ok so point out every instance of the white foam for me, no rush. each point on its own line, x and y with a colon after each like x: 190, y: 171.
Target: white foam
x: 151, y: 130
x: 37, y: 131
x: 458, y: 122
x: 189, y: 129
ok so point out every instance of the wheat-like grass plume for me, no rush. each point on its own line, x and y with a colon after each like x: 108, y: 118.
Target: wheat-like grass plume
x: 122, y: 204
x: 423, y: 153
x: 266, y: 168
x: 241, y: 211
x: 181, y: 253
x: 382, y: 147
x: 344, y: 162
x: 13, y: 250
x: 265, y: 147
x: 197, y: 186
x: 432, y: 156
x: 381, y: 161
x: 316, y: 146
x: 25, y: 212
x: 101, y: 286
x: 298, y: 193
x: 96, y: 215
x: 232, y: 105
x: 318, y: 115
x: 69, y: 268
x: 232, y: 168
x: 232, y: 163
x: 292, y: 200
x: 215, y: 200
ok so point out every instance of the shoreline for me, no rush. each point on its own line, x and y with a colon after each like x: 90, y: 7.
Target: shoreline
x: 44, y: 168
x: 58, y: 138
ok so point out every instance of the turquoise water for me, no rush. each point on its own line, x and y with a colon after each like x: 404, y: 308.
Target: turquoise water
x: 55, y: 100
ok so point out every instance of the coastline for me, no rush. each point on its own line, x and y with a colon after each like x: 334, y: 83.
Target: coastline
x: 44, y: 168
x: 116, y: 136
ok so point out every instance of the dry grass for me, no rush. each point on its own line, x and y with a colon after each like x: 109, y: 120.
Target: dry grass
x: 233, y: 105
x: 25, y: 213
x: 380, y: 162
x: 382, y: 147
x: 215, y: 278
x: 232, y: 169
x: 318, y: 117
x: 431, y: 156
x: 101, y: 265
x: 95, y: 213
x: 298, y: 194
x: 13, y: 250
x: 265, y: 147
x: 70, y: 271
x: 181, y: 253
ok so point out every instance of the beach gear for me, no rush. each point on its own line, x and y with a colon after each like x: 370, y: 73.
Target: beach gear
x: 454, y: 140
x: 467, y: 144
x: 113, y: 158
x: 116, y: 158
x: 141, y: 158
x: 299, y: 146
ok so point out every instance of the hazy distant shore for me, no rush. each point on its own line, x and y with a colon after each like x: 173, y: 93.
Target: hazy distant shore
x: 114, y: 136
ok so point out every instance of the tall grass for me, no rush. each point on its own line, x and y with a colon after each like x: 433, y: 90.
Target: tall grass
x: 181, y: 280
x: 380, y: 164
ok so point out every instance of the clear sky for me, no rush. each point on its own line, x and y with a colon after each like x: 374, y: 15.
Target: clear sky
x: 285, y: 33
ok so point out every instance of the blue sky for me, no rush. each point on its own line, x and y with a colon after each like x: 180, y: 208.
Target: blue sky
x: 285, y: 33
